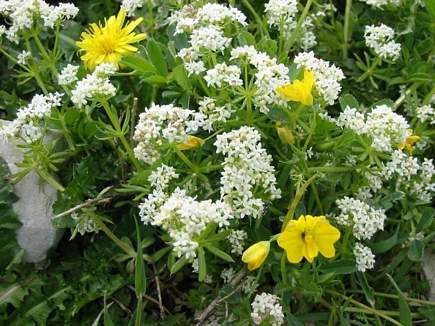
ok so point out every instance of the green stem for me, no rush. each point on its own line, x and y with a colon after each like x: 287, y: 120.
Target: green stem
x: 119, y: 133
x: 299, y: 25
x: 369, y: 71
x: 124, y: 246
x: 301, y: 191
x: 330, y: 169
x: 47, y: 177
x: 35, y: 71
x: 257, y: 18
x: 366, y: 308
x: 346, y: 30
x: 186, y: 160
x: 46, y: 55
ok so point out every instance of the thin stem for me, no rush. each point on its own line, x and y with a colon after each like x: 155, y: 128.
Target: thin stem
x: 119, y: 133
x: 367, y: 308
x: 257, y: 18
x: 292, y: 208
x: 369, y: 71
x: 47, y: 177
x: 127, y: 249
x: 299, y: 25
x: 346, y: 30
x: 46, y: 55
x: 186, y: 160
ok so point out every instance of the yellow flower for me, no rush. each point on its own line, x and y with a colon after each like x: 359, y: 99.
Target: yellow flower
x: 299, y: 90
x: 110, y: 42
x: 256, y: 254
x: 192, y: 142
x: 409, y: 142
x: 308, y: 236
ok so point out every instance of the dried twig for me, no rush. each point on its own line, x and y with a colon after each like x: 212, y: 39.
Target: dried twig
x: 159, y: 292
x: 234, y: 282
x: 89, y: 202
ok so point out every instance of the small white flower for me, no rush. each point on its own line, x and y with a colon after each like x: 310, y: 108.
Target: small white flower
x: 68, y: 75
x: 381, y: 40
x: 364, y: 257
x: 23, y: 57
x: 131, y: 5
x: 223, y: 74
x: 366, y: 220
x: 327, y: 76
x: 267, y: 308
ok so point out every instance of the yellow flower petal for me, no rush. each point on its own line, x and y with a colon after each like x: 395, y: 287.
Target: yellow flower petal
x: 110, y: 41
x: 307, y: 236
x: 256, y: 254
x: 299, y: 91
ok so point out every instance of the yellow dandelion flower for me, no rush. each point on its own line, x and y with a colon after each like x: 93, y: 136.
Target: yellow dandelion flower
x: 299, y: 90
x: 308, y: 236
x: 256, y: 254
x: 109, y: 42
x: 409, y: 143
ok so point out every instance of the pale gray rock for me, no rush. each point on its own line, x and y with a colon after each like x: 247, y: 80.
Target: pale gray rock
x: 429, y: 271
x: 33, y: 208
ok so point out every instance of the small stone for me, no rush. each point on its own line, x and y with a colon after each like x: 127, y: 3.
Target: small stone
x: 429, y: 271
x: 34, y: 207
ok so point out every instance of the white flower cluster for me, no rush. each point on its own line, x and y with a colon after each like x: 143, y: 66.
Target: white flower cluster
x: 365, y: 219
x: 281, y: 13
x: 68, y: 75
x: 223, y: 74
x: 327, y: 76
x: 365, y: 259
x: 381, y: 40
x: 425, y: 113
x: 206, y: 26
x: 213, y: 113
x: 84, y: 224
x: 190, y: 18
x: 386, y: 128
x: 381, y: 3
x: 247, y: 172
x: 23, y: 57
x: 160, y: 177
x: 131, y: 5
x: 23, y: 14
x: 183, y: 217
x: 266, y: 308
x: 415, y: 177
x: 160, y: 124
x: 237, y: 240
x: 27, y: 125
x: 268, y: 77
x: 95, y: 84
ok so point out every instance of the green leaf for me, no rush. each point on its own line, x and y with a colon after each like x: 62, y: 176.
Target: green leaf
x: 180, y: 263
x: 426, y: 219
x: 430, y: 5
x: 180, y: 76
x: 348, y: 100
x: 416, y: 250
x: 219, y: 253
x: 156, y: 56
x: 139, y: 275
x: 202, y: 265
x: 404, y: 311
x: 140, y: 65
x: 368, y: 291
x: 385, y: 245
x: 339, y: 267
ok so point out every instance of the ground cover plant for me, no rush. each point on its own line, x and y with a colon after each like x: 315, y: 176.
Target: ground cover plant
x: 222, y: 163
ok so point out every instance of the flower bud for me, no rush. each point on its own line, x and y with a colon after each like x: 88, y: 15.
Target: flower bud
x: 192, y: 142
x: 256, y: 254
x: 285, y: 134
